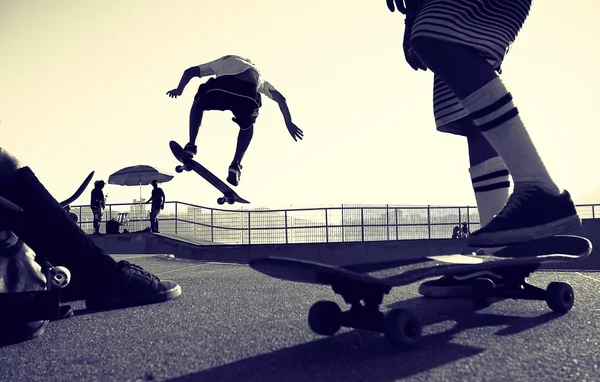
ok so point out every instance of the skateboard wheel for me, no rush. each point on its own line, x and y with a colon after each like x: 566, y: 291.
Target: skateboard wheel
x: 59, y: 277
x: 481, y: 289
x: 325, y: 317
x: 179, y: 169
x: 402, y: 327
x: 221, y: 201
x: 560, y: 297
x: 187, y: 167
x: 230, y: 200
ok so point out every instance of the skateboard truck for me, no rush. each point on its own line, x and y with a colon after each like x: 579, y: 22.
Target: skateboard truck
x: 31, y: 306
x: 400, y: 327
x: 559, y: 296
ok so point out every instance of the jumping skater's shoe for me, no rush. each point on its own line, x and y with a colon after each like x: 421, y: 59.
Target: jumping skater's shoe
x: 131, y: 286
x: 191, y: 149
x: 235, y: 172
x: 529, y: 214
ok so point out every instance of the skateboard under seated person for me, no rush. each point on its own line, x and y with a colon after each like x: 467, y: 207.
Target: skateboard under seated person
x: 48, y: 230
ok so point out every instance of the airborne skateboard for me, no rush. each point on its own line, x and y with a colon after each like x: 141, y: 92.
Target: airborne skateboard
x: 365, y: 292
x: 189, y: 164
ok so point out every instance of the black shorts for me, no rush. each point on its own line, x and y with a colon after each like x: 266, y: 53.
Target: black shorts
x: 230, y: 93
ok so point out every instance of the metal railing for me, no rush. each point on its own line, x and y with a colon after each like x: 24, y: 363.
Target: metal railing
x: 345, y: 223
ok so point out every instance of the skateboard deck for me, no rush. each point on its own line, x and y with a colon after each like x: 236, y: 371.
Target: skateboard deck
x: 79, y: 191
x: 365, y: 292
x: 229, y: 195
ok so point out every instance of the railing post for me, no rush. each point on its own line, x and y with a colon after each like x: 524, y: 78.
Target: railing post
x: 362, y: 223
x: 387, y: 221
x: 593, y: 211
x: 326, y: 227
x: 176, y: 217
x: 212, y: 225
x: 343, y: 226
x: 468, y: 219
x: 396, y: 213
x: 249, y: 231
x: 429, y: 221
x: 285, y: 215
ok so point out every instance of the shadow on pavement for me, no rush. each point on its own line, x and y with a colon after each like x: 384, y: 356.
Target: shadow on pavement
x: 359, y: 355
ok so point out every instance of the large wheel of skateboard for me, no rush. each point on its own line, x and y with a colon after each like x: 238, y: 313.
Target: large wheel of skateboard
x: 481, y: 289
x: 230, y: 199
x: 187, y: 167
x: 179, y: 169
x: 325, y: 318
x: 60, y: 277
x: 221, y: 201
x: 560, y: 297
x: 402, y: 328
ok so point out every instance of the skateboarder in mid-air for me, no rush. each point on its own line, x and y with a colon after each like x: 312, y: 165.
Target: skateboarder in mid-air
x: 237, y: 86
x: 158, y: 203
x: 465, y: 51
x: 97, y: 204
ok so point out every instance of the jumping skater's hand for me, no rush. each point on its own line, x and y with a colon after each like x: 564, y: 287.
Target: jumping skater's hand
x: 174, y: 93
x: 295, y: 131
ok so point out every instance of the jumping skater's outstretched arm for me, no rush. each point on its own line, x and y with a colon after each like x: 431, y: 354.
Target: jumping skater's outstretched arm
x: 294, y: 130
x: 188, y: 74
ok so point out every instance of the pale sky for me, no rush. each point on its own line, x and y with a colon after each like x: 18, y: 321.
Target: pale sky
x: 83, y: 84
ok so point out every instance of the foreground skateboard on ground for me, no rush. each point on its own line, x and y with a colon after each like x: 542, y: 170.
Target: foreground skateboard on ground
x: 37, y: 305
x: 364, y: 292
x: 229, y: 195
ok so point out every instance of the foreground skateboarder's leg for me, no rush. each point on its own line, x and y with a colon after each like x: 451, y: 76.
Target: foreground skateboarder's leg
x: 50, y: 232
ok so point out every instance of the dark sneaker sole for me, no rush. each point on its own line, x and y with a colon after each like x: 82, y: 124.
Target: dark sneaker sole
x: 22, y: 333
x: 232, y: 179
x: 97, y: 304
x: 563, y: 226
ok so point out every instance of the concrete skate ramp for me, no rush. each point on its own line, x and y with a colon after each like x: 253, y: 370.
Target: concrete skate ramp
x: 149, y: 243
x: 328, y: 253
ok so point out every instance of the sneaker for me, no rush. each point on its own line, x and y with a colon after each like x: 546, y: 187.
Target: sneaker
x: 456, y: 286
x: 529, y: 214
x: 133, y: 286
x: 235, y: 172
x: 191, y: 150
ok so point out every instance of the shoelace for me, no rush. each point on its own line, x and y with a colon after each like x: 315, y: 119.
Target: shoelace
x: 516, y: 200
x: 138, y: 269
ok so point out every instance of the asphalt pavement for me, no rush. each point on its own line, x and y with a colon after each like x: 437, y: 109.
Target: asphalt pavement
x: 235, y: 324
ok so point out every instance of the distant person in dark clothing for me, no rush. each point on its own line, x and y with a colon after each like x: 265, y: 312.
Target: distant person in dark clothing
x: 465, y: 230
x: 456, y: 232
x: 158, y: 204
x: 97, y: 204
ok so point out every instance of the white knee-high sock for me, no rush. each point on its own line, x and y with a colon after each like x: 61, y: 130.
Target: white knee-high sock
x: 491, y: 184
x: 493, y: 111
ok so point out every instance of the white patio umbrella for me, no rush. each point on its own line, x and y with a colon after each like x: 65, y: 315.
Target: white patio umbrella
x: 139, y: 175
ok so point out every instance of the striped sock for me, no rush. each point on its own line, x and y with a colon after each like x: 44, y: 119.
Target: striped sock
x: 493, y: 111
x: 490, y: 183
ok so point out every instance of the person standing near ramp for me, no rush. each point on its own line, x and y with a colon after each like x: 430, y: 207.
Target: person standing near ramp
x: 158, y: 204
x: 97, y: 204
